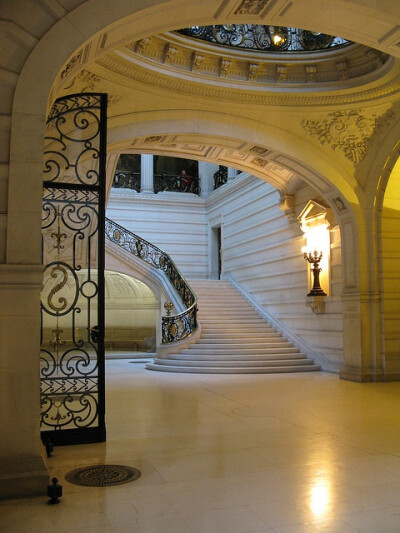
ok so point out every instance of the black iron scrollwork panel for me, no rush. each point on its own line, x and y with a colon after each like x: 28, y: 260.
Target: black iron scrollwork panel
x: 220, y: 177
x: 264, y: 37
x: 72, y: 297
x: 72, y: 145
x: 177, y: 327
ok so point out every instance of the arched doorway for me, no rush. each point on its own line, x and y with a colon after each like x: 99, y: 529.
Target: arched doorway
x: 52, y: 59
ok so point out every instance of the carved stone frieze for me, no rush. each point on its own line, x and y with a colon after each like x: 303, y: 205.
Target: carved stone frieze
x: 258, y: 150
x: 119, y: 66
x: 169, y: 53
x: 281, y: 72
x: 180, y: 53
x: 259, y: 162
x: 251, y: 7
x: 343, y: 70
x: 224, y: 66
x: 87, y: 81
x: 73, y: 62
x: 311, y: 73
x: 347, y: 131
x: 253, y: 70
x: 140, y: 46
x: 197, y: 60
x: 153, y: 139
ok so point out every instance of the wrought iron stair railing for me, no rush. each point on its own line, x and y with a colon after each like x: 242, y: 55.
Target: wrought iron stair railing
x: 175, y: 327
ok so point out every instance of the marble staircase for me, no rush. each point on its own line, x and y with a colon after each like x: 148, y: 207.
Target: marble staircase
x: 234, y: 338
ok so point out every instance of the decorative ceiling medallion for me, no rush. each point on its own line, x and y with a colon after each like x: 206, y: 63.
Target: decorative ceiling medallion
x: 348, y: 131
x: 251, y: 7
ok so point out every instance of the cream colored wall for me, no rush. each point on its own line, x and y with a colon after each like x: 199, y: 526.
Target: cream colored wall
x: 262, y: 253
x: 175, y: 222
x: 390, y: 271
x: 39, y: 42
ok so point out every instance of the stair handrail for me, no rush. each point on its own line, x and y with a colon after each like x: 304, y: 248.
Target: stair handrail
x: 175, y: 327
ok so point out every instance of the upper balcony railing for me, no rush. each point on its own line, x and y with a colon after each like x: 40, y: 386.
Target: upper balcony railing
x: 183, y: 183
x: 220, y: 177
x: 176, y: 327
x: 127, y: 180
x: 162, y: 182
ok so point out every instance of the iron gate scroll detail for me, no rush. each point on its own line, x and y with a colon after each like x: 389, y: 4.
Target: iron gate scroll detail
x: 72, y: 297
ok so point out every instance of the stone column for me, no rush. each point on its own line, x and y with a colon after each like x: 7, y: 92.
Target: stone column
x: 146, y: 174
x: 232, y: 173
x: 206, y: 175
x: 23, y: 471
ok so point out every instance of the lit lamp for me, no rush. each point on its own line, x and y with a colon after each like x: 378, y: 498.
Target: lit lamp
x: 315, y: 226
x: 278, y: 36
x: 314, y: 259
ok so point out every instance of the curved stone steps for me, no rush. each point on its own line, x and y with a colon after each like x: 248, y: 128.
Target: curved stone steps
x: 234, y: 339
x: 201, y: 369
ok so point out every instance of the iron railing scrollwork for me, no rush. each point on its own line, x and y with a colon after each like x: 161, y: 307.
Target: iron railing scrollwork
x: 72, y: 298
x: 127, y: 180
x: 172, y: 183
x: 176, y: 327
x: 264, y: 37
x: 220, y: 177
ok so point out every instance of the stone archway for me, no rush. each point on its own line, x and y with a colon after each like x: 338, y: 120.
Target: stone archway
x: 41, y: 58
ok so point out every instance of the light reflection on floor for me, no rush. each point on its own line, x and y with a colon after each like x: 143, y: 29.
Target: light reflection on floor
x: 236, y: 454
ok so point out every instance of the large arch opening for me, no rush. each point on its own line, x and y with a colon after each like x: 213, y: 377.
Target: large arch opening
x: 52, y: 59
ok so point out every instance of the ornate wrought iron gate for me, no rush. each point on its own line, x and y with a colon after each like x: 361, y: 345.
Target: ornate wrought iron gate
x: 72, y: 298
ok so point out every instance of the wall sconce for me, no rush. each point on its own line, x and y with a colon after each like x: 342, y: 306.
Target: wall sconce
x: 315, y: 226
x: 314, y: 258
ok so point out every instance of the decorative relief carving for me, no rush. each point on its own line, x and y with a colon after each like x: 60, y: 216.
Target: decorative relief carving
x: 339, y: 204
x: 258, y: 161
x: 348, y: 131
x: 169, y: 53
x: 258, y: 150
x: 197, y: 60
x: 140, y: 46
x: 153, y: 139
x: 311, y: 73
x: 251, y: 7
x: 75, y: 61
x: 343, y: 70
x: 281, y: 72
x: 224, y: 66
x: 86, y: 81
x: 123, y: 68
x: 253, y: 70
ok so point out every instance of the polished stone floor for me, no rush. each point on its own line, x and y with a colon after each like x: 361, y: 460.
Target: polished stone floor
x: 232, y: 454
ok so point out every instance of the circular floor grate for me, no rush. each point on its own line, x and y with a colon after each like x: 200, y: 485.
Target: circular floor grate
x: 102, y: 475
